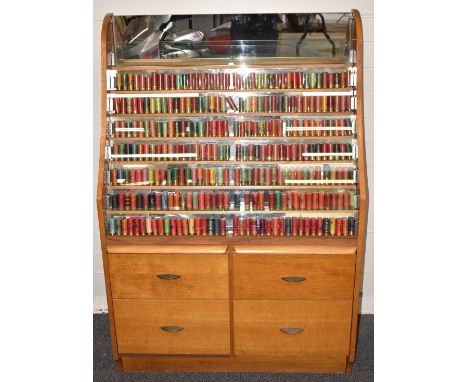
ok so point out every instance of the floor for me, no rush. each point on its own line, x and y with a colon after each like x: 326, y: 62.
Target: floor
x: 105, y: 371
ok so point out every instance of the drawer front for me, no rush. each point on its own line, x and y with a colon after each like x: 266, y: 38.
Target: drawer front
x: 296, y: 277
x: 172, y: 326
x: 292, y: 327
x: 169, y: 276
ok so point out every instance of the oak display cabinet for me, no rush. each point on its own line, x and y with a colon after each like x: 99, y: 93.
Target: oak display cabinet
x: 232, y: 198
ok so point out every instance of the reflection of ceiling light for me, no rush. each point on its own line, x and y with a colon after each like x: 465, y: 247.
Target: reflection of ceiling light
x: 139, y: 34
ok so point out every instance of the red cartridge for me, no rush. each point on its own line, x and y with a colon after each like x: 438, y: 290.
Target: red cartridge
x: 346, y: 202
x: 235, y: 226
x: 261, y: 200
x: 267, y: 179
x: 304, y: 226
x: 344, y: 79
x: 184, y: 227
x: 318, y: 104
x: 271, y: 200
x: 179, y: 229
x: 331, y: 80
x: 231, y: 103
x: 267, y: 227
x: 154, y: 226
x: 158, y: 201
x: 218, y: 200
x: 226, y: 176
x: 313, y: 226
x: 197, y: 226
x: 320, y: 226
x: 142, y: 224
x: 300, y: 226
x: 334, y: 201
x: 160, y: 222
x: 177, y: 200
x: 247, y: 226
x: 173, y: 226
x: 301, y: 100
x: 321, y: 201
x: 121, y: 201
x: 339, y: 200
x: 181, y: 176
x: 201, y: 200
x: 226, y: 200
x: 344, y: 226
x: 188, y: 200
x: 130, y: 226
x: 170, y: 200
x: 294, y: 226
x: 274, y: 101
x: 114, y: 176
x: 339, y: 227
x: 247, y: 201
x: 133, y: 176
x: 343, y: 103
x: 275, y: 226
x: 204, y: 226
x: 295, y: 200
x: 302, y: 200
x: 324, y: 79
x: 327, y: 202
x: 133, y: 204
x: 124, y: 227
x: 309, y: 200
x: 206, y: 176
x: 237, y: 176
x: 282, y: 226
x: 170, y: 105
x: 207, y: 200
x: 256, y: 177
x: 284, y: 201
x: 254, y: 200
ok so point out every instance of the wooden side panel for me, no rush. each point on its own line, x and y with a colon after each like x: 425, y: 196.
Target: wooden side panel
x: 325, y: 327
x: 105, y: 37
x: 200, y: 276
x: 363, y: 188
x: 139, y: 326
x: 325, y: 277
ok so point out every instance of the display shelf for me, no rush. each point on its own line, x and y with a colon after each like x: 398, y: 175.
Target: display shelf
x: 134, y: 93
x: 303, y: 213
x: 324, y: 114
x: 194, y: 187
x: 233, y: 138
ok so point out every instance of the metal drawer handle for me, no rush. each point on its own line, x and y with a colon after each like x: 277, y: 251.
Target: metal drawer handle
x: 168, y: 276
x: 292, y: 330
x: 293, y: 279
x: 172, y: 328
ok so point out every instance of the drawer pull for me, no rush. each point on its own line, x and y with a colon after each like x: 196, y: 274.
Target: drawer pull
x: 293, y: 279
x: 172, y: 328
x: 292, y: 330
x: 168, y: 276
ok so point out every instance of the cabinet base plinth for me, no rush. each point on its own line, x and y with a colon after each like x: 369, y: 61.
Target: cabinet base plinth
x: 328, y: 364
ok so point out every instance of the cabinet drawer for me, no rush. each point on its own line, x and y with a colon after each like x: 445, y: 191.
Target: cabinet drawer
x: 292, y: 327
x: 297, y: 277
x: 169, y: 276
x: 172, y: 326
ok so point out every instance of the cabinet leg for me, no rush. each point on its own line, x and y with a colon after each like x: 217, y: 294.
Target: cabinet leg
x: 349, y: 367
x: 119, y: 364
